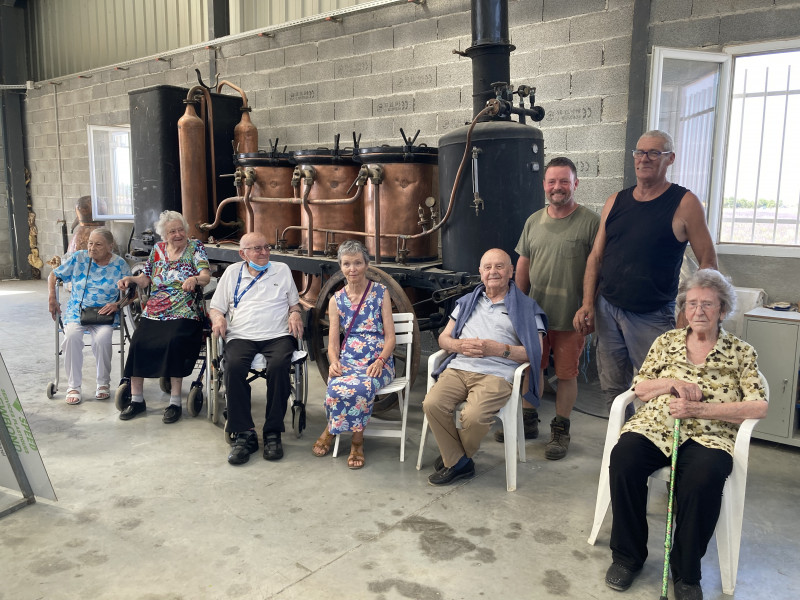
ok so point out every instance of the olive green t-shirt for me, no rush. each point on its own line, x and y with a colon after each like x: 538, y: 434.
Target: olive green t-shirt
x: 558, y: 249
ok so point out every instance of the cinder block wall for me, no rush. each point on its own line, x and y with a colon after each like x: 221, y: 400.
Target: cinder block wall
x: 379, y: 71
x: 373, y: 73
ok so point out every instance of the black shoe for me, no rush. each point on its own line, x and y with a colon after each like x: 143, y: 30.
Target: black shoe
x: 530, y: 422
x: 172, y: 413
x: 450, y: 474
x: 438, y: 464
x: 688, y: 591
x: 619, y: 577
x: 246, y: 442
x: 133, y: 409
x: 273, y: 449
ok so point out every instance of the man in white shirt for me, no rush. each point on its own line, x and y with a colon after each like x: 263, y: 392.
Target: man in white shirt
x: 256, y: 309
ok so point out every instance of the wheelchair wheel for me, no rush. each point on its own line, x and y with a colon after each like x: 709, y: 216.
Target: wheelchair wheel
x: 229, y: 437
x: 298, y: 397
x: 165, y: 383
x: 122, y: 398
x: 51, y: 390
x: 194, y: 403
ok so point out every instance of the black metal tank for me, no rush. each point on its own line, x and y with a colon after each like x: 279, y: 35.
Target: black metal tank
x: 508, y: 154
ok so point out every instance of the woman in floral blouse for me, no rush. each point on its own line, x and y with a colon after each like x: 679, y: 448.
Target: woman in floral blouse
x: 167, y: 341
x: 716, y: 379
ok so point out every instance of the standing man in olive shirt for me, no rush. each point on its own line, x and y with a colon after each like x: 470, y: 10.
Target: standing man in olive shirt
x: 553, y: 248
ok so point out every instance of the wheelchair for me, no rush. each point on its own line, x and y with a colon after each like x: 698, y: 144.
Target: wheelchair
x: 132, y: 312
x: 123, y: 336
x: 298, y: 376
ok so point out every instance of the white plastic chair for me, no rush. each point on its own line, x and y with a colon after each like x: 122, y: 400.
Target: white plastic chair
x: 729, y: 525
x: 508, y: 415
x: 404, y: 334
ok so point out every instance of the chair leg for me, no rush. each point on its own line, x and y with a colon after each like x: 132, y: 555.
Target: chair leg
x: 602, y: 504
x: 729, y: 537
x: 404, y: 412
x: 422, y: 440
x: 336, y: 446
x: 520, y: 435
x: 510, y: 431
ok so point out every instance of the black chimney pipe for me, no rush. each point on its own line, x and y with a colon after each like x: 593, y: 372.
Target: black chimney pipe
x: 490, y: 51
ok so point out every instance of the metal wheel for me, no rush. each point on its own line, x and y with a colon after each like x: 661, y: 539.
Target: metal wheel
x: 400, y: 304
x: 216, y: 398
x: 299, y: 397
x: 51, y: 389
x: 194, y: 403
x: 122, y: 397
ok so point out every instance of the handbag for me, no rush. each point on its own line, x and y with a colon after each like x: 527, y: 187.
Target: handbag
x: 90, y: 315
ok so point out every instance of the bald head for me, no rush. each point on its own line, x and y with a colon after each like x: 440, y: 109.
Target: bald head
x: 253, y: 247
x: 496, y: 270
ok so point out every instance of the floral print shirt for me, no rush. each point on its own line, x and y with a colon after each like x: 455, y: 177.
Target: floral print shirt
x: 729, y: 374
x: 167, y: 300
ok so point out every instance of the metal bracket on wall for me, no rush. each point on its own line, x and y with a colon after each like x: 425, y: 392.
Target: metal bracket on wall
x: 168, y: 59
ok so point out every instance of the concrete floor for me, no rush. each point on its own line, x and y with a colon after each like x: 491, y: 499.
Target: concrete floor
x: 154, y: 511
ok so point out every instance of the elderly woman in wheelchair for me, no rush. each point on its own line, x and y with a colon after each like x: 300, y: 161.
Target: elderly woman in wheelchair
x: 92, y: 307
x: 256, y: 309
x: 709, y: 380
x: 361, y: 340
x: 168, y: 340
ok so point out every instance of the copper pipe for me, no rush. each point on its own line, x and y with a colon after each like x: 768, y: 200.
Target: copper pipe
x: 250, y: 218
x: 224, y: 82
x: 377, y: 210
x: 217, y: 222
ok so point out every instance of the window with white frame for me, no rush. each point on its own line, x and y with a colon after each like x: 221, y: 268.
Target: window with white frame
x: 732, y: 116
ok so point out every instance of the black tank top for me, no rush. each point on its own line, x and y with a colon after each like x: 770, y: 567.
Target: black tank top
x: 642, y: 259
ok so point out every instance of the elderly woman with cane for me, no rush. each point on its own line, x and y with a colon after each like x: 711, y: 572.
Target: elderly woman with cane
x: 708, y: 380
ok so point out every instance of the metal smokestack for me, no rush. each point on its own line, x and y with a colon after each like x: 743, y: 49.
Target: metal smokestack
x: 490, y: 50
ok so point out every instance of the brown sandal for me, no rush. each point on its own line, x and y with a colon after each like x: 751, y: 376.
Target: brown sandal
x: 356, y: 455
x: 322, y: 446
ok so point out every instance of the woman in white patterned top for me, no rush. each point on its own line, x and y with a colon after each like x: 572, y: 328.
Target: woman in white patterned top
x: 709, y: 379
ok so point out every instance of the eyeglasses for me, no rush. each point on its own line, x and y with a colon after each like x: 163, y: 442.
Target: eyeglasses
x: 258, y: 249
x: 705, y: 306
x: 651, y: 154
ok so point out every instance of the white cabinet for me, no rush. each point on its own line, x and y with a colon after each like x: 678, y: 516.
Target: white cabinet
x: 776, y: 337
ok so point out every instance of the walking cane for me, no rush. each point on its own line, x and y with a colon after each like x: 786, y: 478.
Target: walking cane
x: 676, y: 436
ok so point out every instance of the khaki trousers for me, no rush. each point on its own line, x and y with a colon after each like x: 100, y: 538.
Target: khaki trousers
x: 484, y: 395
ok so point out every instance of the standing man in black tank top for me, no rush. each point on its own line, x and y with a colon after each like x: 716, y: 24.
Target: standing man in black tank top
x: 632, y: 273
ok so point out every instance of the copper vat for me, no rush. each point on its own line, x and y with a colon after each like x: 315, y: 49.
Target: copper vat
x: 273, y: 179
x: 410, y: 184
x: 335, y: 174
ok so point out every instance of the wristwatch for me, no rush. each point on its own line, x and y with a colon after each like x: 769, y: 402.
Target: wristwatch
x: 507, y: 351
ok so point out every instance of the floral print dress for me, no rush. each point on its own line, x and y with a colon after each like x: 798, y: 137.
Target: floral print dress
x: 350, y: 397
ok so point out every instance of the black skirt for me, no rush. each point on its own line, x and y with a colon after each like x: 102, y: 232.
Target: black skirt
x: 164, y: 348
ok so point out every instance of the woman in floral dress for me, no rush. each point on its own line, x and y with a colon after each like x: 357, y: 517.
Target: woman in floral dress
x: 361, y: 361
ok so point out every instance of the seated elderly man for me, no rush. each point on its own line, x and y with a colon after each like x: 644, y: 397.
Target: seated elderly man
x: 256, y: 310
x: 490, y: 333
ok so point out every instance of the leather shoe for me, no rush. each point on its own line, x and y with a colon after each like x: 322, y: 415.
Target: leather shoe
x: 438, y: 464
x: 172, y: 413
x: 688, y: 591
x: 245, y: 444
x: 273, y: 449
x: 133, y: 409
x: 619, y: 577
x: 450, y: 474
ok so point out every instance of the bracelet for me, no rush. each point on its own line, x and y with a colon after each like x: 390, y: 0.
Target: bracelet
x: 380, y: 358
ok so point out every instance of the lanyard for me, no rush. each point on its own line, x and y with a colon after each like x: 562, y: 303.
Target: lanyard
x: 237, y: 297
